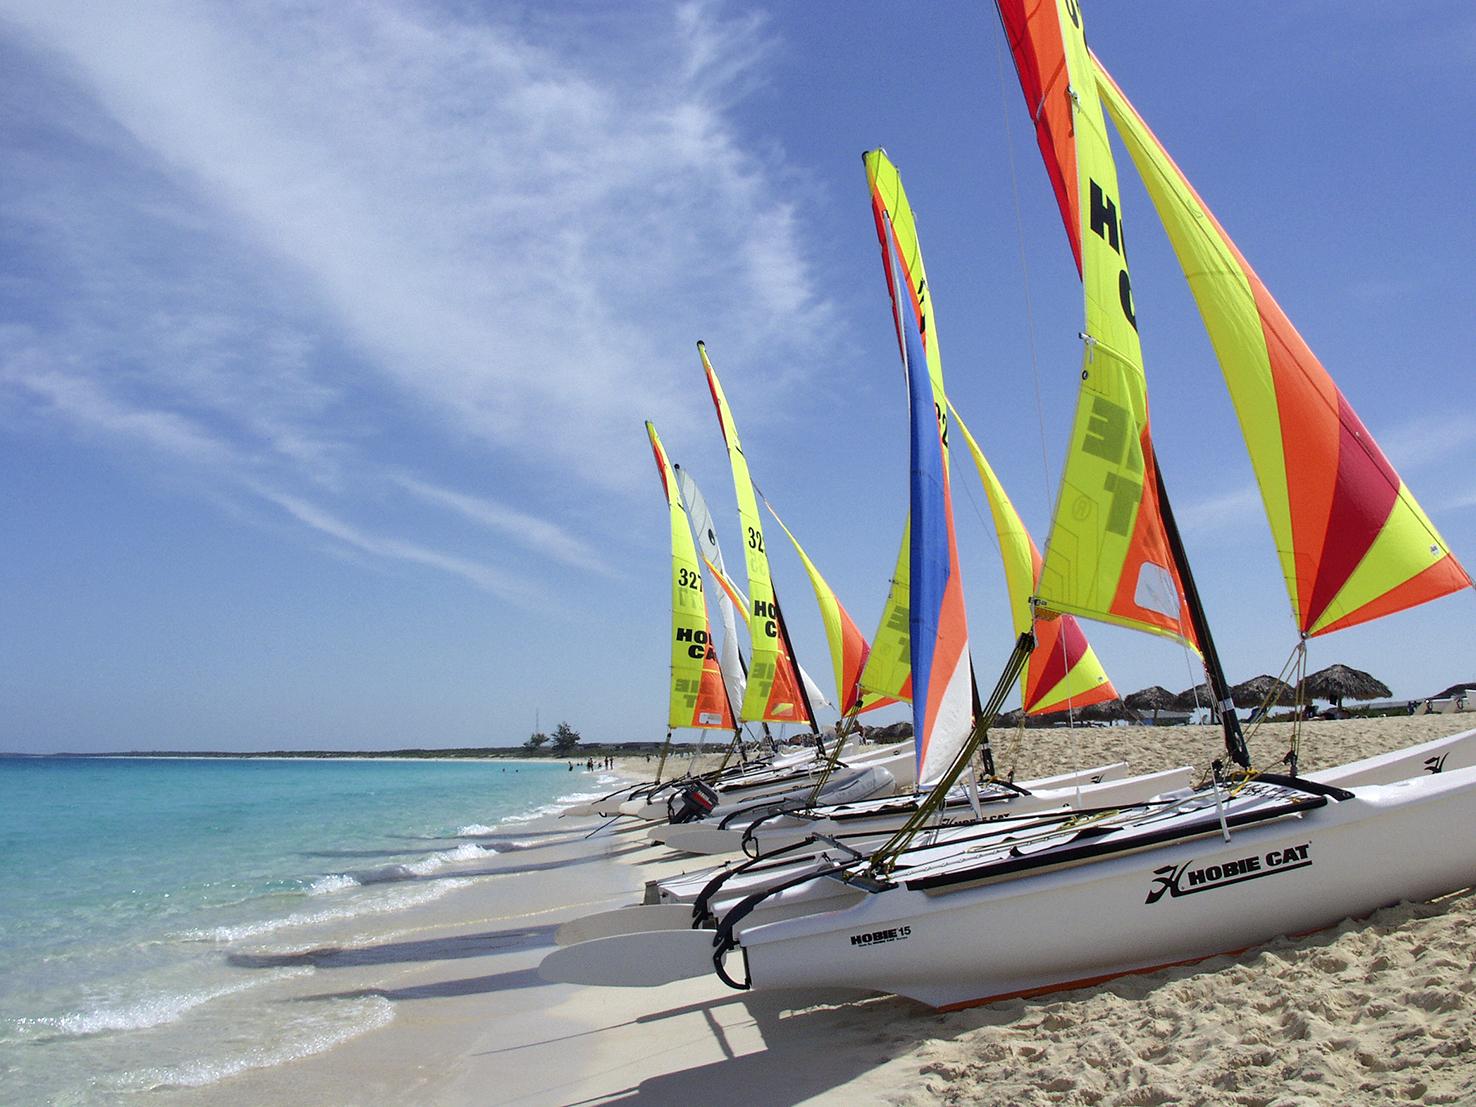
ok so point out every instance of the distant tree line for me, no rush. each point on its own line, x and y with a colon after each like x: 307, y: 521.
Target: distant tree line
x: 562, y: 744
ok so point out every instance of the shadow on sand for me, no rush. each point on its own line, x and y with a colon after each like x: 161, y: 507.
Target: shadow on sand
x: 394, y: 953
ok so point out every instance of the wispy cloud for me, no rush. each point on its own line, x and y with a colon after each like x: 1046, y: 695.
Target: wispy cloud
x: 304, y: 241
x: 1228, y: 509
x: 1434, y: 437
x: 482, y: 575
x: 529, y: 530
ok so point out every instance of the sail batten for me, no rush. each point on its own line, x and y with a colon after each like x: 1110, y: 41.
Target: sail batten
x: 698, y: 698
x: 1353, y: 542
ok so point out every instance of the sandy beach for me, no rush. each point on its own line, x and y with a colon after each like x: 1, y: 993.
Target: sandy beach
x: 1374, y: 1010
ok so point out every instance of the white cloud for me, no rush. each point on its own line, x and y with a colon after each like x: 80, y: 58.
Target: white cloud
x: 528, y: 530
x: 1228, y: 509
x: 484, y: 576
x: 1432, y: 438
x: 291, y: 238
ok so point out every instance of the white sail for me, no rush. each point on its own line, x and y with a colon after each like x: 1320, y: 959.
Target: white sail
x: 729, y: 658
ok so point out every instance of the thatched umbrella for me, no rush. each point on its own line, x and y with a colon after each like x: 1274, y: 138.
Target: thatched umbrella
x: 1198, y: 696
x: 1337, y: 682
x: 1105, y: 712
x: 1264, y: 689
x: 1454, y: 690
x: 1154, y: 699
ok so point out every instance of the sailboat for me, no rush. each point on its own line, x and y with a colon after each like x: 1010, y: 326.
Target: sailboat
x: 820, y: 838
x: 1060, y: 670
x: 702, y: 684
x: 776, y: 688
x: 1201, y: 871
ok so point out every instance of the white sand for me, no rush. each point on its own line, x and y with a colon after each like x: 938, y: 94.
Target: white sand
x: 1374, y: 1011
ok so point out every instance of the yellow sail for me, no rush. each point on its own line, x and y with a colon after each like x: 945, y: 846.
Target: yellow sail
x: 1107, y: 556
x: 698, y: 698
x: 1354, y: 544
x: 888, y: 669
x: 773, y: 693
x: 848, y: 647
x: 889, y: 204
x: 1062, y: 670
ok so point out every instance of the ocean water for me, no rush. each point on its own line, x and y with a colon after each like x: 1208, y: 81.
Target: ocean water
x: 132, y: 888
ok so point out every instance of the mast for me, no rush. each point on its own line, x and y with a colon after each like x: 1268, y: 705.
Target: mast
x: 1219, y: 687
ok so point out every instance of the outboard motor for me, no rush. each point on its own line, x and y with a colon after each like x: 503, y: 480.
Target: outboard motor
x: 693, y: 802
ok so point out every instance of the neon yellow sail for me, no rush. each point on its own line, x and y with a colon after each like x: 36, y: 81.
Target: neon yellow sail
x: 698, y: 698
x: 888, y: 669
x: 1107, y: 556
x: 889, y: 202
x: 773, y: 693
x: 1354, y: 544
x: 1062, y: 670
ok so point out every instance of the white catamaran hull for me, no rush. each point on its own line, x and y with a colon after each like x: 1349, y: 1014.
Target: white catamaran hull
x: 774, y: 835
x: 682, y: 891
x: 1161, y: 906
x: 889, y: 813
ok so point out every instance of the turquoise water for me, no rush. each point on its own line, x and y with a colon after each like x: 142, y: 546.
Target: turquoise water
x: 129, y: 884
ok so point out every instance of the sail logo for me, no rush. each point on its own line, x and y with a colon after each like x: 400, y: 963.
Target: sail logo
x: 1436, y: 764
x: 769, y: 613
x: 1106, y: 225
x: 881, y: 937
x: 1182, y: 880
x: 701, y: 643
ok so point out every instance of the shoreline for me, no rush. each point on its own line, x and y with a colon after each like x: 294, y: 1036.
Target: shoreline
x: 1293, y: 1020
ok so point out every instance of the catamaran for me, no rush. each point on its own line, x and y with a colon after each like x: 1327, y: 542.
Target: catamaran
x: 1248, y: 855
x: 1061, y: 670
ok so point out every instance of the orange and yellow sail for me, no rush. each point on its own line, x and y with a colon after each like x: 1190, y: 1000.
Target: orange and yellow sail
x: 848, y: 646
x: 773, y: 693
x: 1108, y: 555
x: 1062, y: 670
x: 1354, y: 544
x: 698, y: 698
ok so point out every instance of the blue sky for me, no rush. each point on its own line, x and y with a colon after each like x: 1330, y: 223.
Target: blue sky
x: 327, y: 333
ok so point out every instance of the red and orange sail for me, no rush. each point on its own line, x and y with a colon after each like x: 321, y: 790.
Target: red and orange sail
x: 1108, y: 555
x: 698, y: 698
x: 1353, y: 542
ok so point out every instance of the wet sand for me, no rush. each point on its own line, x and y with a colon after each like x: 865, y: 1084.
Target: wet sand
x: 1372, y: 1011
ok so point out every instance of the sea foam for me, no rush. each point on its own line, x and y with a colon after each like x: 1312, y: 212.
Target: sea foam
x: 345, y: 1020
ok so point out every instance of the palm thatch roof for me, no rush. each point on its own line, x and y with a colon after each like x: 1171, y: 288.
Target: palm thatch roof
x: 1264, y: 689
x: 1454, y: 690
x: 1198, y: 696
x: 1154, y: 698
x: 1105, y: 712
x: 1339, y: 682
